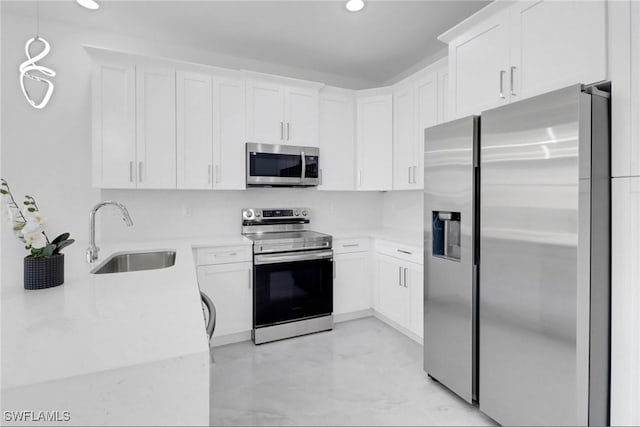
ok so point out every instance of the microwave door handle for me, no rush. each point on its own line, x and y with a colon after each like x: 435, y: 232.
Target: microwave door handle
x: 304, y: 166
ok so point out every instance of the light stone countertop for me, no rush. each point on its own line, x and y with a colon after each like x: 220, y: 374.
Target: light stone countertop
x: 94, y: 323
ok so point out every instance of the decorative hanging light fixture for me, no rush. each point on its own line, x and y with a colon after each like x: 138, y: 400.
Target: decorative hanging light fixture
x: 355, y: 5
x: 28, y: 67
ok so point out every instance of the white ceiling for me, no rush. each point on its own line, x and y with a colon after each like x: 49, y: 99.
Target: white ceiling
x: 376, y: 44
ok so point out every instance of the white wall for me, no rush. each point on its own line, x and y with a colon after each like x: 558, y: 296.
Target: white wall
x: 162, y: 213
x: 403, y: 210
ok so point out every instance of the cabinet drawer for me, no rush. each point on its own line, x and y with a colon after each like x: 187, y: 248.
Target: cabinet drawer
x: 218, y: 255
x: 356, y: 245
x: 399, y: 251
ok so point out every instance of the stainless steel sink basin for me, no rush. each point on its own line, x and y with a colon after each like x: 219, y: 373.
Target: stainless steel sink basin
x: 134, y: 261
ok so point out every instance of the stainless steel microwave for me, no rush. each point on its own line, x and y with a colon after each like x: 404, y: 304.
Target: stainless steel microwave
x: 274, y: 165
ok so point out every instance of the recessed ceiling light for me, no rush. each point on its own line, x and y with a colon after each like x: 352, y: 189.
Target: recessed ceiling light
x: 354, y: 5
x: 89, y: 4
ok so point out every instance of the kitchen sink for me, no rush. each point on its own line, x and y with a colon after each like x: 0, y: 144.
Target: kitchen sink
x: 135, y: 261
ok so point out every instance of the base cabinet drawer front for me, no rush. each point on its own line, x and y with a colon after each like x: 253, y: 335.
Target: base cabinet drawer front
x: 229, y: 287
x: 222, y: 255
x: 355, y: 245
x: 352, y: 282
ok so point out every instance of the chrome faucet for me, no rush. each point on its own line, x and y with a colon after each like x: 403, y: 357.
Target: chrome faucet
x: 92, y: 251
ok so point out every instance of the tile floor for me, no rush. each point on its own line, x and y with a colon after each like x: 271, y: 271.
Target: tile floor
x: 362, y: 373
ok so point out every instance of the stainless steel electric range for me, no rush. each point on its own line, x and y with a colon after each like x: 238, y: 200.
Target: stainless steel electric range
x: 292, y: 274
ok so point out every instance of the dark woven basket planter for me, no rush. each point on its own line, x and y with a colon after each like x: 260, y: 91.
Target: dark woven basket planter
x: 45, y: 272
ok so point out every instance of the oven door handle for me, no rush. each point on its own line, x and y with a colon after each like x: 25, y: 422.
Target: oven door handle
x: 265, y: 259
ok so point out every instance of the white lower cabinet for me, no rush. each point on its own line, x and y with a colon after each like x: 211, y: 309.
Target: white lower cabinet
x: 399, y: 292
x: 352, y: 277
x: 229, y: 287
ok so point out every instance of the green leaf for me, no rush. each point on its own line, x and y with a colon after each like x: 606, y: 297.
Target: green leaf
x: 63, y: 244
x: 19, y: 226
x: 4, y: 192
x: 48, y: 250
x: 31, y: 209
x: 60, y: 238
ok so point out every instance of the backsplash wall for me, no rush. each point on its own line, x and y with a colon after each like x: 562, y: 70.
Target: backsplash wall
x: 403, y: 210
x: 159, y: 214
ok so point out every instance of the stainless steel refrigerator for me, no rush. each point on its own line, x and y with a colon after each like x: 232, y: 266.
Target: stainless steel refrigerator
x: 517, y: 251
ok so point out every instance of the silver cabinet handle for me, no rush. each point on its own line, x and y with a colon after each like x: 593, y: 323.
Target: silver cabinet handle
x: 409, y: 175
x: 399, y: 276
x: 320, y: 180
x: 281, y: 130
x: 414, y: 175
x: 131, y: 171
x: 501, y: 93
x: 288, y: 131
x: 404, y: 251
x: 350, y: 245
x: 511, y: 73
x: 405, y: 277
x: 209, y: 173
x: 140, y: 172
x: 250, y: 278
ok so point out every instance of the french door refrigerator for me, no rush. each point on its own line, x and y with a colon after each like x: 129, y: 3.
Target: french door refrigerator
x: 536, y: 315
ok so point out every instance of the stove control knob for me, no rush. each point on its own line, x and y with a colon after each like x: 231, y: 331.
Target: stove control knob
x: 305, y: 212
x: 247, y: 214
x: 258, y: 214
x: 296, y: 213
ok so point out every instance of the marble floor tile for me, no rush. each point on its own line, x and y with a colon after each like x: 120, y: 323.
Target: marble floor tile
x: 362, y: 373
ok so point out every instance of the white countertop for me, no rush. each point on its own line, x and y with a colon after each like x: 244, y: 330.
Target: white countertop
x: 404, y: 237
x: 93, y: 323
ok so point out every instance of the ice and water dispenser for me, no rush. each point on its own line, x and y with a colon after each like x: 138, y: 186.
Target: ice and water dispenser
x: 446, y: 234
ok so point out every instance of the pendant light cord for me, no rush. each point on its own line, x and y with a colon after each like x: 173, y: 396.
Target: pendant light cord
x: 37, y: 19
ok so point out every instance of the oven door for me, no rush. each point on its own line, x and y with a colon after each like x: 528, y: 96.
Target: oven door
x: 292, y: 286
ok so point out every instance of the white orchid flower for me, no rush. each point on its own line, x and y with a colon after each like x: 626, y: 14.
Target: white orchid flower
x: 35, y: 239
x: 32, y: 227
x: 36, y: 217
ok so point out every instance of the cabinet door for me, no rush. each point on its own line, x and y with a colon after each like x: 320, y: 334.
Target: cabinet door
x: 229, y: 287
x: 265, y: 113
x: 351, y: 283
x: 427, y: 110
x: 301, y: 117
x: 479, y: 66
x: 156, y: 127
x: 194, y: 112
x: 337, y: 142
x: 229, y: 133
x: 558, y: 43
x: 414, y: 275
x: 374, y: 142
x: 114, y: 132
x: 443, y: 96
x: 393, y: 296
x: 404, y: 138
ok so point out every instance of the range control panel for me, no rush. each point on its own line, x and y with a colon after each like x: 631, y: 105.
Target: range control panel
x: 259, y: 214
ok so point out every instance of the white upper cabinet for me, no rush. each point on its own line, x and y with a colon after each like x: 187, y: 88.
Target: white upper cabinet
x: 513, y: 50
x: 478, y: 64
x: 418, y: 103
x: 156, y: 127
x: 556, y: 44
x: 229, y: 133
x: 337, y: 139
x: 265, y: 113
x: 113, y: 123
x: 374, y: 132
x: 301, y: 117
x: 194, y: 114
x: 404, y: 138
x: 279, y: 114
